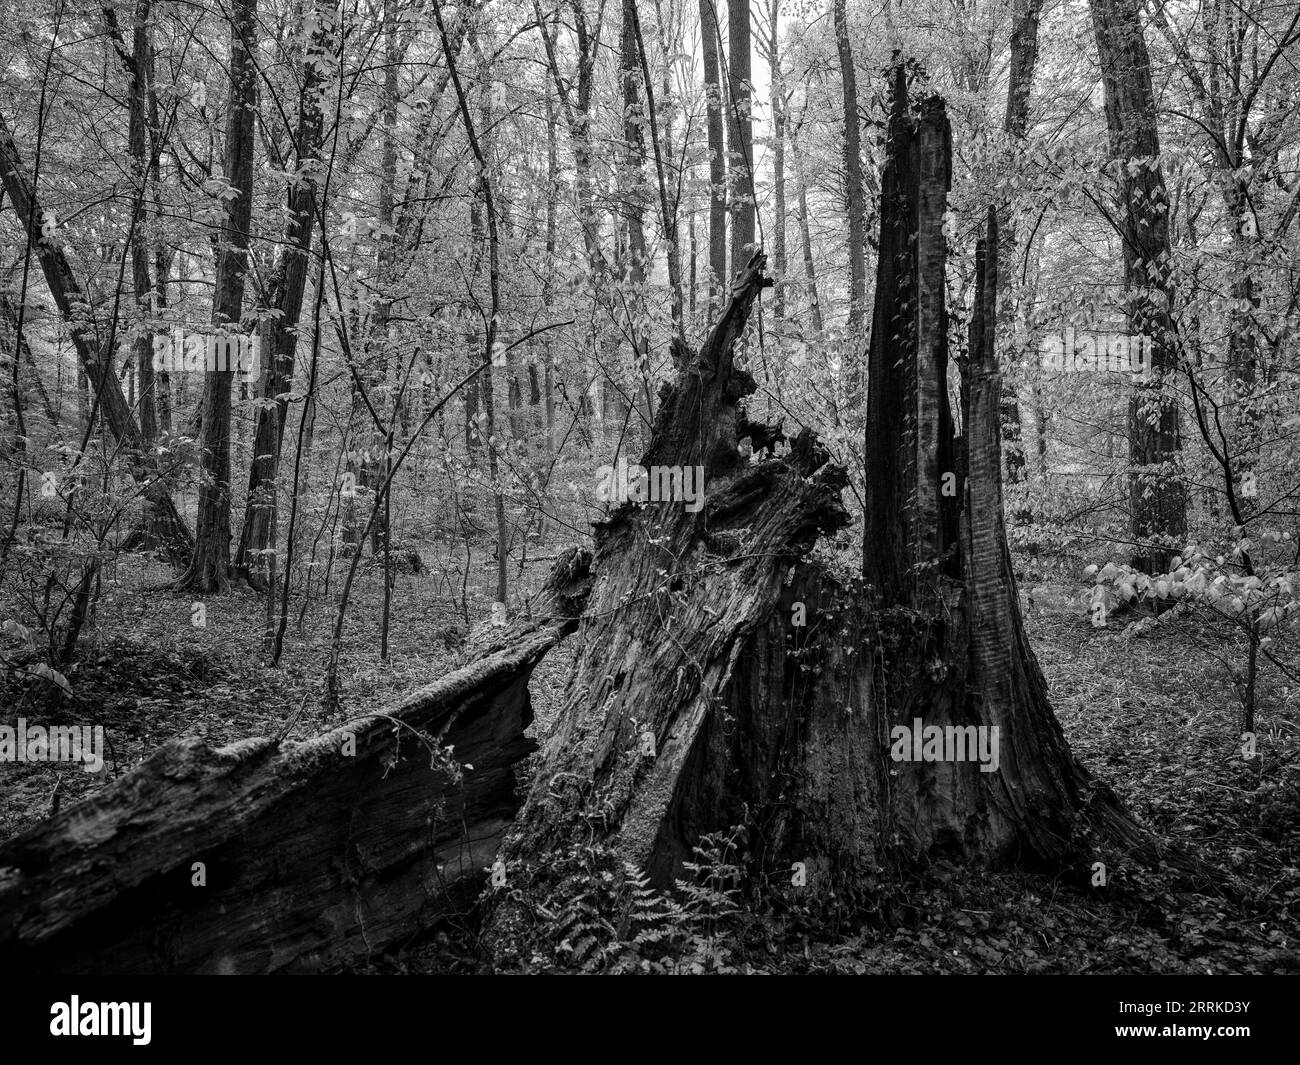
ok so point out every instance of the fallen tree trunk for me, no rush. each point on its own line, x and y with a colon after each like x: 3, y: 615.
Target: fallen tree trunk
x: 314, y: 854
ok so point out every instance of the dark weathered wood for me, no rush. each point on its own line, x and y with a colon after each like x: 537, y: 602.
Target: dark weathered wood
x: 946, y: 609
x: 910, y: 525
x: 313, y: 857
x: 698, y: 701
x: 679, y: 600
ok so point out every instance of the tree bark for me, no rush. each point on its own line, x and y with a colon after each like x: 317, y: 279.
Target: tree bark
x: 745, y: 717
x: 316, y: 854
x: 142, y: 166
x: 805, y: 243
x: 633, y: 183
x: 209, y: 569
x: 855, y: 199
x: 717, y: 158
x: 740, y: 130
x: 777, y: 103
x: 1157, y: 496
x: 909, y: 441
x: 1020, y: 79
x: 286, y: 289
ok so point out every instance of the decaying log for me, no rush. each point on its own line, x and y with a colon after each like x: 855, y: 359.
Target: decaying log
x: 313, y: 856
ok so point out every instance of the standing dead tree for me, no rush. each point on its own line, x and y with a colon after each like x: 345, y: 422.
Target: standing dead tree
x: 699, y: 698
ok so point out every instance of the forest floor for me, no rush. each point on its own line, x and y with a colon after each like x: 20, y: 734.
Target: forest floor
x: 1155, y: 716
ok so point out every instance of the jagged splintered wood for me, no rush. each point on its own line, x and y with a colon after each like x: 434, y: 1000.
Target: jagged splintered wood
x: 910, y: 524
x: 688, y: 636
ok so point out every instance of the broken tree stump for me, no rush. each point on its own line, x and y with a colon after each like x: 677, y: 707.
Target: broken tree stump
x: 727, y: 677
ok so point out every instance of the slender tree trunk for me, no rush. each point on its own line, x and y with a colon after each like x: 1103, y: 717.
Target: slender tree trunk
x: 777, y: 105
x: 162, y: 254
x: 209, y: 570
x: 485, y: 192
x: 1020, y: 79
x: 142, y: 284
x: 663, y: 152
x: 805, y: 241
x: 740, y: 129
x: 375, y: 473
x: 1042, y: 423
x: 717, y: 157
x: 144, y: 144
x: 286, y: 289
x: 576, y: 106
x: 582, y: 150
x: 1243, y: 349
x: 694, y: 253
x: 367, y: 458
x: 633, y: 183
x: 162, y: 379
x: 853, y: 190
x: 84, y: 394
x: 23, y: 351
x: 548, y: 284
x: 1157, y: 493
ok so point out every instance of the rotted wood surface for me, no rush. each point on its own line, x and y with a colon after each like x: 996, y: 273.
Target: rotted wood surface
x: 313, y: 856
x: 728, y: 677
x: 676, y: 719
